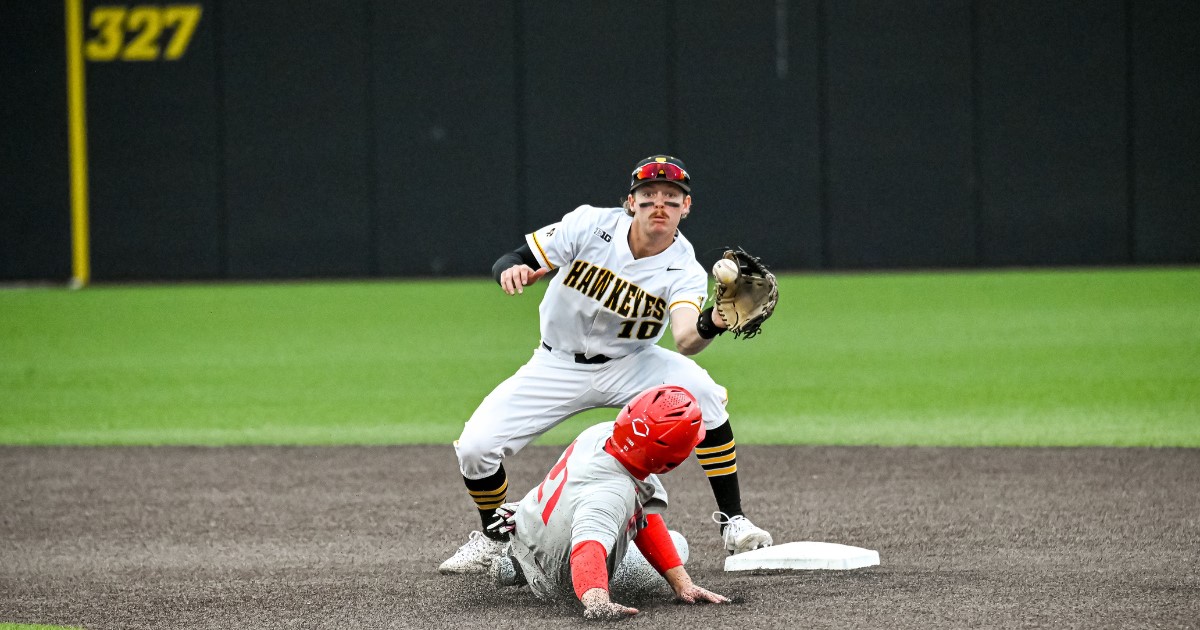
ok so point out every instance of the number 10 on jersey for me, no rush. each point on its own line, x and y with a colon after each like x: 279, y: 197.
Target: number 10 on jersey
x: 647, y: 330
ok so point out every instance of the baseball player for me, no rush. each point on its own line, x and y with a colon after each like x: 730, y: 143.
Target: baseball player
x: 624, y: 275
x: 570, y: 534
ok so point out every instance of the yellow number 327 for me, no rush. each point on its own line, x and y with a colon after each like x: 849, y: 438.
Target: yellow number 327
x: 144, y: 24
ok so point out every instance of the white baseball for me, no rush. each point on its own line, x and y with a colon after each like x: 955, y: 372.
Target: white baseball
x: 725, y: 271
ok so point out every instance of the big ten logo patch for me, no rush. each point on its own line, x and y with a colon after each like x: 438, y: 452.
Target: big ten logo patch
x: 604, y: 235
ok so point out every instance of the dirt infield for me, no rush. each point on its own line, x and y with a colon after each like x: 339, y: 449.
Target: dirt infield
x: 350, y: 537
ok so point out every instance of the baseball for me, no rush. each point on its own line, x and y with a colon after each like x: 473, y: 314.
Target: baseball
x: 725, y: 271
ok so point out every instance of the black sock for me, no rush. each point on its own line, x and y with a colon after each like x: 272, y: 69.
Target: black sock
x: 717, y: 455
x: 488, y: 494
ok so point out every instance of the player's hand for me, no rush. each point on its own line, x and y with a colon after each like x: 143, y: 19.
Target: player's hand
x: 687, y: 591
x: 514, y: 279
x: 693, y: 594
x: 506, y: 519
x: 597, y: 607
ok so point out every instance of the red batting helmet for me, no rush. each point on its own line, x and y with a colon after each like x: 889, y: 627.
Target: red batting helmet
x: 658, y: 429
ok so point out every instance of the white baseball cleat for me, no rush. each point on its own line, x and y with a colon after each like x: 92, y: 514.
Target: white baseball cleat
x: 740, y: 535
x: 474, y: 557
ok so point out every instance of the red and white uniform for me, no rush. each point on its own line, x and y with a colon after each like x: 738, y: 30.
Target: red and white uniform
x: 602, y: 301
x: 588, y: 495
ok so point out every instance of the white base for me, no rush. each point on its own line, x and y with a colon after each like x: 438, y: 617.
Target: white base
x: 805, y: 555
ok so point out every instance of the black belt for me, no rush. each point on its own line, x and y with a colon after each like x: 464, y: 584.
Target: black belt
x: 582, y: 358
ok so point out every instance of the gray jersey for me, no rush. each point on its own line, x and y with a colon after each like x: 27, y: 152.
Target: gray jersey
x: 588, y: 495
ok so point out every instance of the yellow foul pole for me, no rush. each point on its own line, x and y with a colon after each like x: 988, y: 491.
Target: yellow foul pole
x: 77, y: 136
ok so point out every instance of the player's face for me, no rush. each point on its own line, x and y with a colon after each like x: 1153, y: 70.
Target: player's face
x: 659, y: 206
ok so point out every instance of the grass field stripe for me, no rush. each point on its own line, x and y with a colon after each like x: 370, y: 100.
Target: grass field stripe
x: 1007, y: 358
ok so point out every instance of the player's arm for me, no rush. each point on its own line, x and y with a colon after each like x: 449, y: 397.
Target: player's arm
x: 598, y: 519
x: 589, y: 576
x: 689, y: 329
x: 517, y: 269
x: 654, y: 541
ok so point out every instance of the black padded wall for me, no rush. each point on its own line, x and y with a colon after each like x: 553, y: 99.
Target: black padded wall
x: 445, y: 170
x: 1165, y: 93
x: 1053, y: 139
x: 597, y: 94
x: 748, y: 103
x: 369, y: 138
x: 297, y: 138
x: 153, y: 141
x: 899, y: 128
x: 35, y: 231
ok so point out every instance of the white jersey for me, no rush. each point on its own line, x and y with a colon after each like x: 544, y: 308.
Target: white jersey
x: 603, y: 301
x: 588, y: 495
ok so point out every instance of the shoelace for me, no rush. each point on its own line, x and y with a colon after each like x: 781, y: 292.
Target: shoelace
x: 723, y: 519
x: 477, y: 539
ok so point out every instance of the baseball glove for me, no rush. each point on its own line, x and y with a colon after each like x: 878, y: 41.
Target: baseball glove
x: 747, y: 300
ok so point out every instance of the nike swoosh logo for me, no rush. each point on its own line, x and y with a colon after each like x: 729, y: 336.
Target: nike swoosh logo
x: 674, y: 269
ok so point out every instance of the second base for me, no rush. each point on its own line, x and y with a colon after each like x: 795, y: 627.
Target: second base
x: 804, y: 555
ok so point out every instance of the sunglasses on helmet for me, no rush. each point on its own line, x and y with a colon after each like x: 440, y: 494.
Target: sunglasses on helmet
x: 661, y: 170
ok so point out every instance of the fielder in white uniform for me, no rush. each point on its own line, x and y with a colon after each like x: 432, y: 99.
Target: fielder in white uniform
x: 624, y: 274
x: 570, y: 535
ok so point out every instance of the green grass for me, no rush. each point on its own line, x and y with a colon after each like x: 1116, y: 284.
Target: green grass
x: 984, y: 358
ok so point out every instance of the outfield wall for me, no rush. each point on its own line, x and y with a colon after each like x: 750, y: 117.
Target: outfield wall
x: 375, y: 138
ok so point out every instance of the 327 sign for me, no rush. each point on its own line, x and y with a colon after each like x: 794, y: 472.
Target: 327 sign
x: 140, y: 33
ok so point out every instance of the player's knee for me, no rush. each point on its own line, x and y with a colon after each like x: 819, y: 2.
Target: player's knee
x: 712, y: 398
x: 697, y: 381
x: 477, y: 458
